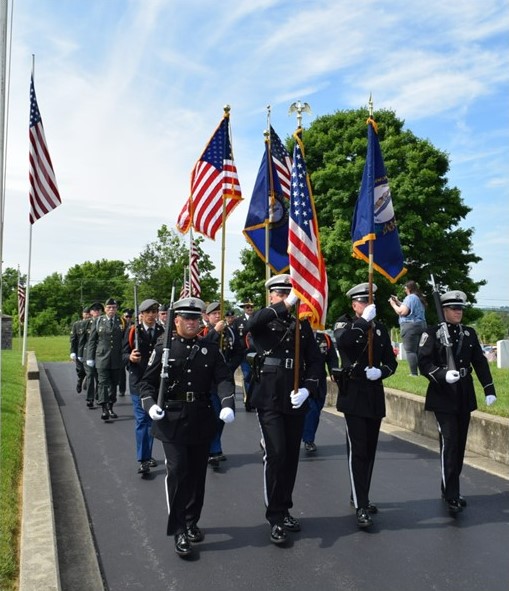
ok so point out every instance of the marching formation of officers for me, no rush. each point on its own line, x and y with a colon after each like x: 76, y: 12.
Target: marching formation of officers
x: 185, y: 398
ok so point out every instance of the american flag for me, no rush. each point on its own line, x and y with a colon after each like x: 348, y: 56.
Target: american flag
x: 44, y: 194
x: 213, y: 179
x: 307, y: 266
x: 184, y: 292
x: 282, y: 162
x: 194, y: 272
x: 21, y: 303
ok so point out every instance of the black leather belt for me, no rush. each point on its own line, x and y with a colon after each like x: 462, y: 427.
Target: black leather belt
x: 189, y: 396
x: 464, y: 371
x: 286, y: 363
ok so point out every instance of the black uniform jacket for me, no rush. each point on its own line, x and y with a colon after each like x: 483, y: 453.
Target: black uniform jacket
x: 273, y: 333
x: 145, y: 347
x: 363, y: 397
x: 458, y: 397
x: 193, y: 368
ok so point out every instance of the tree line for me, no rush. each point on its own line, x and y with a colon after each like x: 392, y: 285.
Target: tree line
x: 429, y: 215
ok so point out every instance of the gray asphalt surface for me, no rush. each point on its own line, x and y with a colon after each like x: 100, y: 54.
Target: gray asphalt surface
x: 414, y: 543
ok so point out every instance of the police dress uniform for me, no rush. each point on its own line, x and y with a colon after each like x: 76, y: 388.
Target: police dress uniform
x: 105, y: 348
x: 363, y: 400
x: 273, y: 332
x: 225, y: 340
x: 453, y: 403
x: 147, y: 338
x: 240, y: 327
x: 315, y: 405
x: 189, y: 422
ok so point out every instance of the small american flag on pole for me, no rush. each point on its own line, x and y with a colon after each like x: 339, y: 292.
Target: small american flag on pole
x: 21, y: 303
x: 44, y: 194
x: 307, y: 266
x: 214, y: 178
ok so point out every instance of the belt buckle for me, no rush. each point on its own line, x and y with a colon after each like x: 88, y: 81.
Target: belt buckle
x: 463, y: 372
x: 288, y: 363
x: 190, y: 397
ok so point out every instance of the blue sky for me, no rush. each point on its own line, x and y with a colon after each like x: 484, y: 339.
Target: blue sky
x: 131, y: 90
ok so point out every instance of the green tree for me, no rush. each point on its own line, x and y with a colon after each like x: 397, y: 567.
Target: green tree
x: 428, y: 211
x: 490, y: 328
x: 162, y: 263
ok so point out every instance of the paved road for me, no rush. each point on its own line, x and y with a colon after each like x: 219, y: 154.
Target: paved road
x: 414, y: 544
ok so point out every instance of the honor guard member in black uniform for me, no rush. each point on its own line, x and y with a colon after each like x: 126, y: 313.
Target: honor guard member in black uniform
x: 96, y: 309
x: 362, y: 398
x: 187, y: 422
x: 139, y: 342
x: 451, y: 394
x: 281, y: 411
x: 104, y: 352
x: 77, y: 330
x: 245, y: 367
x: 315, y: 405
x: 127, y: 320
x: 217, y: 331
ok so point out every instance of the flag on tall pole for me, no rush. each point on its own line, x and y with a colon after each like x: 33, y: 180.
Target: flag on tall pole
x: 268, y: 209
x: 307, y: 265
x: 194, y: 271
x: 44, y: 195
x: 374, y: 220
x: 213, y: 180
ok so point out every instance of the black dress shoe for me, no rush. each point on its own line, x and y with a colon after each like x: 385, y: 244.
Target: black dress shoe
x: 144, y: 467
x: 363, y: 518
x: 461, y: 500
x: 454, y: 506
x: 194, y: 534
x: 214, y: 461
x: 152, y: 463
x: 278, y: 534
x: 291, y: 524
x: 90, y: 403
x: 309, y: 446
x: 372, y: 508
x: 112, y: 413
x: 182, y: 545
x: 105, y: 415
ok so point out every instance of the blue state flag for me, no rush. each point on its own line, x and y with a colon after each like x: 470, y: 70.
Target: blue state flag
x: 268, y: 209
x: 373, y: 218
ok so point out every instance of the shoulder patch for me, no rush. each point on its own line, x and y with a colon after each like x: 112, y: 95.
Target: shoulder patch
x: 340, y: 324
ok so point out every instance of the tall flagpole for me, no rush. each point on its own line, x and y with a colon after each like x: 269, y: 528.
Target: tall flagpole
x: 370, y: 269
x: 227, y: 110
x: 270, y: 200
x: 27, y: 287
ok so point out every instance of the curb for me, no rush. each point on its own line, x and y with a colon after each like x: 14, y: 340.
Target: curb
x: 38, y: 550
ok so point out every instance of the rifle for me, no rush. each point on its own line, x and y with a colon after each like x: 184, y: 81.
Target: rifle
x: 136, y: 340
x: 445, y: 338
x: 163, y: 384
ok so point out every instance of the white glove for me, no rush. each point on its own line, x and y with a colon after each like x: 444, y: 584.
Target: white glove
x: 369, y: 312
x: 490, y: 399
x: 90, y: 363
x: 373, y: 373
x: 227, y: 415
x: 298, y: 398
x: 452, y: 376
x: 156, y: 413
x: 292, y: 298
x: 73, y: 356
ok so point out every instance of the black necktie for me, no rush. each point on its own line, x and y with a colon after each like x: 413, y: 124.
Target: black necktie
x: 111, y: 323
x: 150, y: 335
